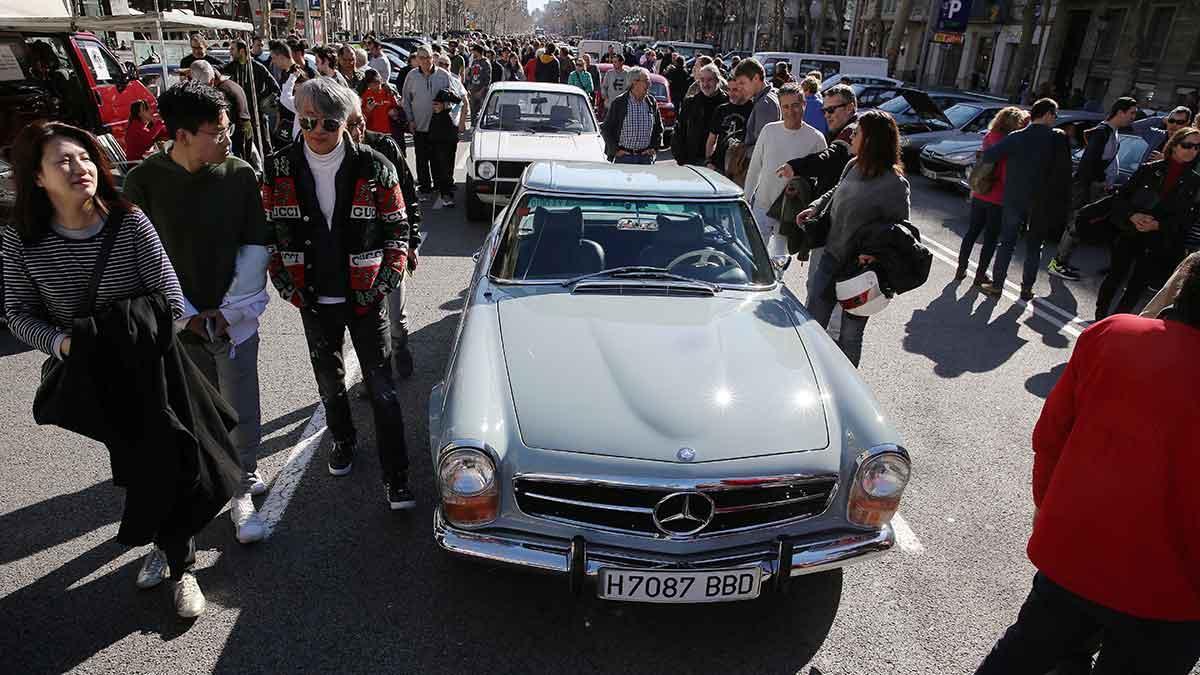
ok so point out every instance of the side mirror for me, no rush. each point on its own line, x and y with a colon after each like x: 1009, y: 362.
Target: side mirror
x: 777, y: 249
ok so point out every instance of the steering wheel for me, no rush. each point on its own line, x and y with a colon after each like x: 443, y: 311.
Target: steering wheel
x: 704, y: 258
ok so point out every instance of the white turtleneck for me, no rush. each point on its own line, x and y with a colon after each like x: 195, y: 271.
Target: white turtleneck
x: 324, y: 171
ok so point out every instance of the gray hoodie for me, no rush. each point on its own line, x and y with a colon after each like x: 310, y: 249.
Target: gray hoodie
x: 419, y: 90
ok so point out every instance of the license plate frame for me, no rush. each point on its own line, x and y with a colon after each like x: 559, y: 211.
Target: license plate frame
x: 634, y: 585
x: 929, y: 173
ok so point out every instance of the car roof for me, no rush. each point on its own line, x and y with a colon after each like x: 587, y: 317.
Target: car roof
x: 525, y: 85
x: 666, y: 181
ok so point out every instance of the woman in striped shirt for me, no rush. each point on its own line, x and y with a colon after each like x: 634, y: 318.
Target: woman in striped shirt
x: 65, y: 196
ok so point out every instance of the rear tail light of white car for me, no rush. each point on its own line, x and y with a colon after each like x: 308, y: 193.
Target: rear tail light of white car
x: 467, y: 481
x: 879, y: 482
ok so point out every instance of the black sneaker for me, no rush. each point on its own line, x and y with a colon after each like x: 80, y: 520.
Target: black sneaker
x: 402, y: 361
x: 341, y: 458
x: 398, y: 496
x: 1027, y: 294
x: 991, y: 290
x: 1062, y: 271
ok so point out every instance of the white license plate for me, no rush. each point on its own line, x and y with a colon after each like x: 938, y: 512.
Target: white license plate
x: 928, y: 174
x: 679, y: 586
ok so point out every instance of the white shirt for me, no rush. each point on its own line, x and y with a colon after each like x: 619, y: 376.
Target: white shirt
x: 776, y: 146
x: 287, y: 98
x: 382, y: 66
x: 324, y: 171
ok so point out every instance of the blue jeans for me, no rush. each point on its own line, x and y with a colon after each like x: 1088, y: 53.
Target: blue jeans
x: 823, y: 298
x: 634, y: 159
x: 1010, y: 229
x: 985, y: 220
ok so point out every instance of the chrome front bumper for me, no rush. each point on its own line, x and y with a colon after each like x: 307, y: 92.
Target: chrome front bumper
x: 582, y: 561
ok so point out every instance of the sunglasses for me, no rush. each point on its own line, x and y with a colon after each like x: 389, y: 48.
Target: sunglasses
x: 311, y: 123
x: 833, y: 108
x: 1176, y: 122
x: 1188, y: 145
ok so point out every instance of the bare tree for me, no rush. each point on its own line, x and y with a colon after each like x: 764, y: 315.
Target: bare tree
x: 1022, y: 60
x: 899, y: 25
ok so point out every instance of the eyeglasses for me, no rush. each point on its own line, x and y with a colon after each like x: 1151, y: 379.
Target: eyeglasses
x: 1176, y: 122
x: 833, y: 108
x: 1188, y: 145
x: 356, y: 124
x: 220, y: 134
x: 311, y: 123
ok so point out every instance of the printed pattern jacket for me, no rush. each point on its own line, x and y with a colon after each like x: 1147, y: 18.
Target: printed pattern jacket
x: 369, y: 216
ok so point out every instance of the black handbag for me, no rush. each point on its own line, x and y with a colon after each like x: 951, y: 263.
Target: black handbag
x: 63, y: 390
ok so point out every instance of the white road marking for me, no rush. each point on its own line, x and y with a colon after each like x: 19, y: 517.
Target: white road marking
x: 283, y: 488
x: 905, y: 537
x: 1067, y: 322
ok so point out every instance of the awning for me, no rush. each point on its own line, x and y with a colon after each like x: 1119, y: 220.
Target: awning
x: 170, y: 22
x: 14, y: 8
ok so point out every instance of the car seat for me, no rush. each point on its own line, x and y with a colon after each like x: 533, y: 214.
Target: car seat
x: 510, y: 115
x: 559, y: 247
x: 561, y: 116
x: 673, y: 239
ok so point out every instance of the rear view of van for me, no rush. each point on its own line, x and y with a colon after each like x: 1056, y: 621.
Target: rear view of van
x: 828, y: 64
x: 598, y: 48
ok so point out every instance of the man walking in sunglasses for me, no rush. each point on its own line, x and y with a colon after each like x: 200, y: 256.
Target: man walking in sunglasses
x: 339, y: 237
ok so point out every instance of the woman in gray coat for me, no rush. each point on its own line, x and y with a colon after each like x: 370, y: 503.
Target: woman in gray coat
x: 872, y: 189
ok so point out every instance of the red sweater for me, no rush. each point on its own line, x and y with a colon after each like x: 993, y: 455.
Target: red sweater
x: 139, y: 138
x: 996, y: 194
x: 1116, y: 458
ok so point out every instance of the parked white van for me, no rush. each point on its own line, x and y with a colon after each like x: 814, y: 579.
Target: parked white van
x: 598, y: 48
x: 828, y: 64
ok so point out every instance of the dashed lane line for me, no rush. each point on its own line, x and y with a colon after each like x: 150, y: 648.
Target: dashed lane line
x: 906, y: 539
x: 283, y: 488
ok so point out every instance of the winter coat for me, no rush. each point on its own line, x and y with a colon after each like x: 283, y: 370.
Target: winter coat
x: 690, y: 139
x: 825, y: 168
x: 1175, y: 212
x: 901, y: 261
x: 547, y: 69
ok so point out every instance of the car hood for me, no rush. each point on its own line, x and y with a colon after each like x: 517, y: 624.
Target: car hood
x: 523, y: 146
x: 949, y: 146
x: 643, y: 377
x: 923, y: 106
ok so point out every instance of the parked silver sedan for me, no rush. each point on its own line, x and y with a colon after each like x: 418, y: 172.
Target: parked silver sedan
x: 635, y: 401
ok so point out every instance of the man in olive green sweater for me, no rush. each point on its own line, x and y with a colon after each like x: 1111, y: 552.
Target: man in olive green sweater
x: 207, y: 209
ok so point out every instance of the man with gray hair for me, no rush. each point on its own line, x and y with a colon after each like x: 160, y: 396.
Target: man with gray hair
x: 339, y: 239
x: 632, y: 129
x: 1156, y: 131
x: 239, y: 109
x: 420, y: 86
x: 690, y: 140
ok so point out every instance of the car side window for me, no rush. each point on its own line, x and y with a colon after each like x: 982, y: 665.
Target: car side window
x: 981, y: 122
x: 104, y: 68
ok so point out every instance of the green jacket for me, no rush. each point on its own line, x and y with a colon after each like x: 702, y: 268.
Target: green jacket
x: 583, y: 80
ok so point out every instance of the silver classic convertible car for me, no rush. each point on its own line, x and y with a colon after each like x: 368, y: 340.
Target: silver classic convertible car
x: 634, y: 400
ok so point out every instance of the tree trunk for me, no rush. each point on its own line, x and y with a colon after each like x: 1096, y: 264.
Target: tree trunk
x: 1020, y: 63
x: 899, y: 26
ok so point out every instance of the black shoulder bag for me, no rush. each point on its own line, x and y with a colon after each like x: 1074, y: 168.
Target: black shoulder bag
x: 67, y: 392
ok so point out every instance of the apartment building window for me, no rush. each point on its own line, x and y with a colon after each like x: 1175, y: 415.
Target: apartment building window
x: 1158, y: 32
x: 1110, y: 36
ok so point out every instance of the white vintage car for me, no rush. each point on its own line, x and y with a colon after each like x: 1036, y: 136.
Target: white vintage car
x: 522, y: 122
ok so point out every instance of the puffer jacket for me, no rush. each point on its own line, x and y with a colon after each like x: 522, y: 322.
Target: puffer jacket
x: 369, y: 217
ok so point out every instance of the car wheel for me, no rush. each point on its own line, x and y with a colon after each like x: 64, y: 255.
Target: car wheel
x: 476, y: 210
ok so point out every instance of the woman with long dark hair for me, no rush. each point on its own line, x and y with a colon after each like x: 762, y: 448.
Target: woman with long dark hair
x: 70, y: 222
x: 142, y: 131
x: 872, y: 189
x: 1153, y: 212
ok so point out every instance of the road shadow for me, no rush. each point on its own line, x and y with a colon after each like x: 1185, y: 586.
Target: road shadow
x: 50, y: 522
x: 1041, y: 384
x: 960, y: 337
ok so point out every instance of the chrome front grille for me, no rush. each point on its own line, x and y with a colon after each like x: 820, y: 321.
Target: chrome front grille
x: 737, y: 505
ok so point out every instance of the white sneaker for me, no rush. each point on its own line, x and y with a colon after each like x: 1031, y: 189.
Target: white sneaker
x: 154, y: 569
x: 257, y: 485
x: 249, y: 525
x: 189, y: 599
x: 437, y: 204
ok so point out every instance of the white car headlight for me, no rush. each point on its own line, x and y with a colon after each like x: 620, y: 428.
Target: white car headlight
x: 467, y: 482
x: 961, y: 156
x: 878, y: 485
x: 486, y: 170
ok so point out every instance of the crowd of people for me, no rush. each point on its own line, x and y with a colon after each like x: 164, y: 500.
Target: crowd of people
x: 295, y: 167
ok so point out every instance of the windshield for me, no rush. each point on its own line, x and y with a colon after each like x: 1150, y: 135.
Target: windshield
x: 545, y: 111
x: 896, y: 106
x: 556, y: 238
x: 961, y: 114
x: 659, y: 91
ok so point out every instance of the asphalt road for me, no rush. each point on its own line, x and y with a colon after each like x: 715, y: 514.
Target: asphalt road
x: 345, y: 585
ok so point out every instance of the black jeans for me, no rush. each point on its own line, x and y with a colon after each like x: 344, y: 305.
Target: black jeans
x: 441, y: 158
x: 424, y: 152
x: 1128, y: 253
x: 985, y: 220
x: 324, y: 329
x: 1055, y: 624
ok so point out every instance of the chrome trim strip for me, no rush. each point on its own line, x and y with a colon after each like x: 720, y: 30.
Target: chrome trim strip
x: 767, y: 505
x: 590, y: 505
x: 676, y: 484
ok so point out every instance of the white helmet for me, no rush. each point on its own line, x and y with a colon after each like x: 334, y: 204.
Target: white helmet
x: 861, y: 295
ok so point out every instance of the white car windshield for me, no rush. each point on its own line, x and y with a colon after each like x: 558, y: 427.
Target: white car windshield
x: 538, y: 111
x: 558, y: 238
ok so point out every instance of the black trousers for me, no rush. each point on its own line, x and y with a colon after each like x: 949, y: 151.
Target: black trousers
x: 1056, y: 625
x: 441, y: 158
x: 1128, y: 253
x: 424, y: 152
x: 324, y: 329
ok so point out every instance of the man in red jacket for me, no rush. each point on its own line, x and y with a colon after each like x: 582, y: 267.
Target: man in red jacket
x: 1116, y: 529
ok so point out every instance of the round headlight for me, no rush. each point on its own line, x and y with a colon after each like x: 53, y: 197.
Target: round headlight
x: 885, y: 477
x: 486, y: 170
x: 466, y: 473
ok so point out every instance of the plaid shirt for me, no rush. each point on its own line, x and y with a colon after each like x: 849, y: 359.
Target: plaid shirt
x: 639, y: 124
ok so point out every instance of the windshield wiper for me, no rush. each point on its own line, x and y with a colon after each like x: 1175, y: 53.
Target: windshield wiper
x: 645, y: 272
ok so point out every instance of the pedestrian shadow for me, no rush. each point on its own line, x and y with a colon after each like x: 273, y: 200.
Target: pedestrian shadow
x: 57, y: 520
x: 10, y: 345
x: 961, y: 337
x: 1041, y: 384
x: 457, y: 303
x: 85, y: 616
